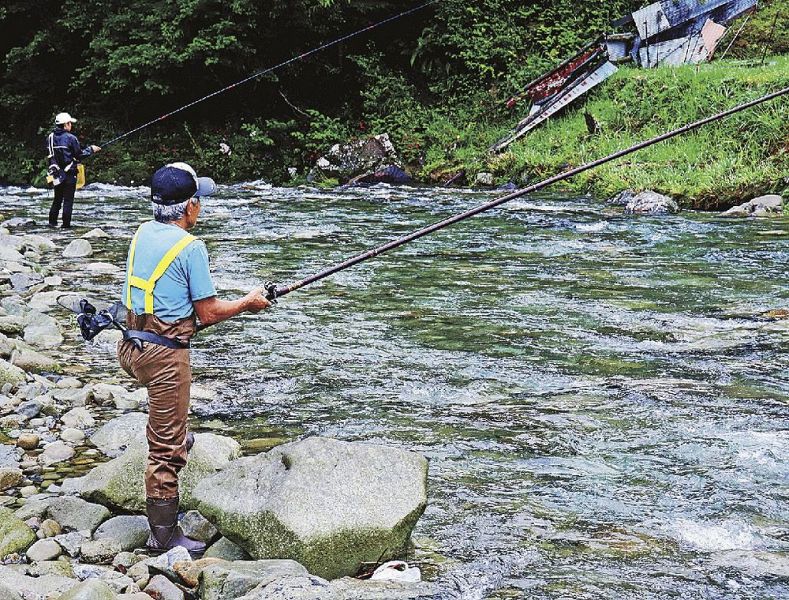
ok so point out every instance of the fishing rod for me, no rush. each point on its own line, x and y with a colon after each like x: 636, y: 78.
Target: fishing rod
x: 270, y: 69
x: 273, y: 291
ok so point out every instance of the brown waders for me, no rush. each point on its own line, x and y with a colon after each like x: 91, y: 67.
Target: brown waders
x: 167, y: 374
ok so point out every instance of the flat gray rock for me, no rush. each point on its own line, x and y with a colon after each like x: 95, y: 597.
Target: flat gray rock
x: 115, y: 436
x: 129, y: 531
x: 771, y: 205
x: 235, y: 579
x: 91, y: 589
x: 76, y: 514
x: 327, y: 504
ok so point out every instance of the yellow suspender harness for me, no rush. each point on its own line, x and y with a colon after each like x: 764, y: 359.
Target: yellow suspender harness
x: 147, y: 285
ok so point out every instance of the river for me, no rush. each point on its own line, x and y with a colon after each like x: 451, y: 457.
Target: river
x: 605, y: 410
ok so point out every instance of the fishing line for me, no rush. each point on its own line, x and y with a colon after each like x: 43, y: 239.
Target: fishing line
x: 271, y: 69
x: 273, y: 291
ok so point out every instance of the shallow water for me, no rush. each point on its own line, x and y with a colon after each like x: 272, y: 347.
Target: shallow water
x: 605, y: 412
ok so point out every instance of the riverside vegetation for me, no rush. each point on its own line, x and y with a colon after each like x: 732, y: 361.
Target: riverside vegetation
x: 435, y: 81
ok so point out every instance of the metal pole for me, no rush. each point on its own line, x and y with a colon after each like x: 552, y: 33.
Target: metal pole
x: 275, y: 291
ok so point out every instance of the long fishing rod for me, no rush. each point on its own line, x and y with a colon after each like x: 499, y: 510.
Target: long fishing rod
x: 271, y: 69
x: 274, y: 291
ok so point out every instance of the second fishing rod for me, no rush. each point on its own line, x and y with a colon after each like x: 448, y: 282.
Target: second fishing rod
x: 274, y: 291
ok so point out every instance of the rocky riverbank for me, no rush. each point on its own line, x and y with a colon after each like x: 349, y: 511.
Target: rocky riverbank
x: 295, y: 522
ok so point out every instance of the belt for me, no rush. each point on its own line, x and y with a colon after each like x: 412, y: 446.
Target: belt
x: 153, y: 338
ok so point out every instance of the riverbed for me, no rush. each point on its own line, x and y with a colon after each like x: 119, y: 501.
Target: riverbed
x: 603, y: 398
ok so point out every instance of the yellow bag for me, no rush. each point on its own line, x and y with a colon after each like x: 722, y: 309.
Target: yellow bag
x: 80, y: 176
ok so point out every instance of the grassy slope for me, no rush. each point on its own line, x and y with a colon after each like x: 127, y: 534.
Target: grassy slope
x: 722, y: 164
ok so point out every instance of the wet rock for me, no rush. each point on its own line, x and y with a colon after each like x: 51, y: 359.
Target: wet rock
x: 34, y: 362
x: 10, y: 477
x: 44, y: 550
x: 78, y: 418
x: 771, y: 205
x: 328, y: 504
x: 116, y: 435
x: 128, y: 531
x: 43, y: 332
x: 76, y: 514
x: 622, y: 198
x: 484, y: 179
x: 38, y: 243
x: 119, y: 482
x: 15, y: 536
x: 28, y: 441
x: 225, y: 549
x: 96, y: 233
x: 19, y: 223
x: 10, y: 374
x: 161, y: 588
x: 78, y: 248
x: 92, y: 589
x: 232, y: 580
x: 651, y: 203
x: 77, y: 397
x: 197, y: 527
x: 102, y: 268
x: 100, y: 551
x: 55, y: 452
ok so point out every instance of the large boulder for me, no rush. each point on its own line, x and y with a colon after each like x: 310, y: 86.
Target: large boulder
x: 327, y: 504
x: 116, y: 435
x: 349, y: 161
x: 651, y: 203
x: 15, y: 536
x: 770, y: 205
x: 119, y: 482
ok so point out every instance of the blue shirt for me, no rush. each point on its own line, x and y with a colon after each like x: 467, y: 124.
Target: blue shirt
x: 185, y: 281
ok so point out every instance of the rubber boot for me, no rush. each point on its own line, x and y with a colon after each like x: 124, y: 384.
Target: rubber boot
x: 165, y: 532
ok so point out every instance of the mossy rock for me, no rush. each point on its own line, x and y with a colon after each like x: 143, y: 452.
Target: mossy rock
x: 15, y: 536
x: 327, y: 504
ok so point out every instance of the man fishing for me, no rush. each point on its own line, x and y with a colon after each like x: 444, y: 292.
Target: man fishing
x: 64, y: 154
x: 168, y: 285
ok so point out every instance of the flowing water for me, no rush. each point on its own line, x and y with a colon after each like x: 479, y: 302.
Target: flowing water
x: 605, y: 410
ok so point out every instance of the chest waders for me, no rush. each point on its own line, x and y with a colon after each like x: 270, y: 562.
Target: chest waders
x: 148, y: 286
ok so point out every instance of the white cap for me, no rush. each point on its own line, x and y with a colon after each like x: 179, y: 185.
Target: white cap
x: 63, y: 118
